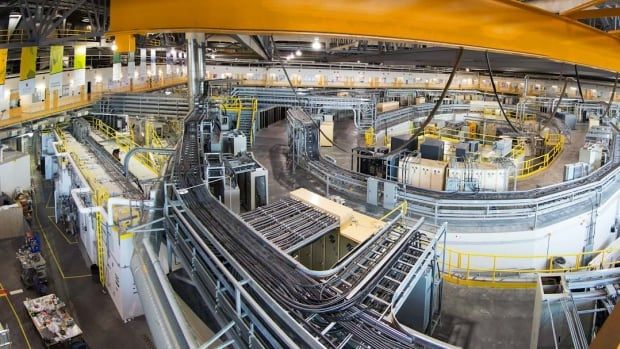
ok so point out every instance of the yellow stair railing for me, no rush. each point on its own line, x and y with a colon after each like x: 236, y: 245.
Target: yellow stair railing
x: 253, y: 106
x: 101, y: 198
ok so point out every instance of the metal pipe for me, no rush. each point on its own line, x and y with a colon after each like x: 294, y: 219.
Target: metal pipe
x: 132, y: 152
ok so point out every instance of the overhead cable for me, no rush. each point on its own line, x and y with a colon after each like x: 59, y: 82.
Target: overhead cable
x: 501, y: 107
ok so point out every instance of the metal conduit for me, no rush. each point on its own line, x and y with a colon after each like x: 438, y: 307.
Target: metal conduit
x: 134, y: 151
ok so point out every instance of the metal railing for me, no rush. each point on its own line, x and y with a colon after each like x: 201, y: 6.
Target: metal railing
x: 540, y: 163
x: 100, y: 197
x: 41, y: 110
x: 125, y: 143
x: 486, y: 269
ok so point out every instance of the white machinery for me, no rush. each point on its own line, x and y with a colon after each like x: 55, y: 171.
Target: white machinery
x: 466, y: 176
x: 234, y: 142
x: 102, y: 226
x: 591, y: 154
x: 422, y: 173
x: 576, y: 170
x: 503, y: 146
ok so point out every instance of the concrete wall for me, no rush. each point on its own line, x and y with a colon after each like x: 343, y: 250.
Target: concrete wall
x: 14, y: 172
x: 567, y: 237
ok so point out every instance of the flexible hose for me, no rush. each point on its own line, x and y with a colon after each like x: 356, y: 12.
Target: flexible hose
x: 501, y: 107
x: 414, y: 137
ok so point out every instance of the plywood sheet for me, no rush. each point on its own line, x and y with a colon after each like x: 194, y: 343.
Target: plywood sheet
x: 353, y: 225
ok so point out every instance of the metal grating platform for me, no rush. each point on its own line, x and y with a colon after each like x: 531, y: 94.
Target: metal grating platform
x: 290, y: 224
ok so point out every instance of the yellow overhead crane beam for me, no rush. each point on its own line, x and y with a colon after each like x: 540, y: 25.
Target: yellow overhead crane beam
x: 498, y: 25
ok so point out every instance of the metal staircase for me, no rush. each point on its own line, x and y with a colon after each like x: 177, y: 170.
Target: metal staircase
x: 245, y: 125
x: 247, y: 109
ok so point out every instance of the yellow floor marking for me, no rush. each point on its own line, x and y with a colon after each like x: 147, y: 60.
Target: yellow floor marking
x: 19, y: 322
x: 69, y: 241
x: 47, y: 204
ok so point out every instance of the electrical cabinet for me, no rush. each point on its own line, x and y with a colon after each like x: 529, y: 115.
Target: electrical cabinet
x: 478, y: 177
x: 591, y: 154
x: 432, y: 149
x: 422, y: 173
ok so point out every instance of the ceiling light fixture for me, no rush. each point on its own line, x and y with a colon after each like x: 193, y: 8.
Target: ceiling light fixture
x: 316, y: 44
x: 298, y: 53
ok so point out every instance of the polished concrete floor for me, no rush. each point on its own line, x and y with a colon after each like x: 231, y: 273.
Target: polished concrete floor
x: 70, y: 279
x: 471, y: 317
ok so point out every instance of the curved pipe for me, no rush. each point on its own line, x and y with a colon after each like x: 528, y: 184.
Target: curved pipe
x: 132, y: 152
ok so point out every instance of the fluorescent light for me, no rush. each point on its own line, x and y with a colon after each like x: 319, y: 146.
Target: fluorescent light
x: 298, y: 53
x: 316, y: 44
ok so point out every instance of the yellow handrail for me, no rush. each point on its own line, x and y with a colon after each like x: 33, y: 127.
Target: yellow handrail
x: 483, y: 267
x: 125, y: 143
x: 402, y: 207
x: 254, y: 108
x: 540, y: 163
x: 369, y: 137
x: 453, y: 135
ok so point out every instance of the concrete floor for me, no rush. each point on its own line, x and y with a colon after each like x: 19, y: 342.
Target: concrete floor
x: 471, y: 317
x: 476, y: 318
x: 555, y: 173
x: 69, y: 277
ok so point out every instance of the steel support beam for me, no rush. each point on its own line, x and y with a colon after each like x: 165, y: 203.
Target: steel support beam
x: 584, y: 5
x: 253, y: 43
x: 498, y: 25
x: 195, y: 64
x: 596, y: 13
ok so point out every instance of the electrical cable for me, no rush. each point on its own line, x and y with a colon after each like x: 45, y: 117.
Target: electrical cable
x: 501, y: 107
x: 579, y: 84
x: 414, y: 137
x: 611, y: 98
